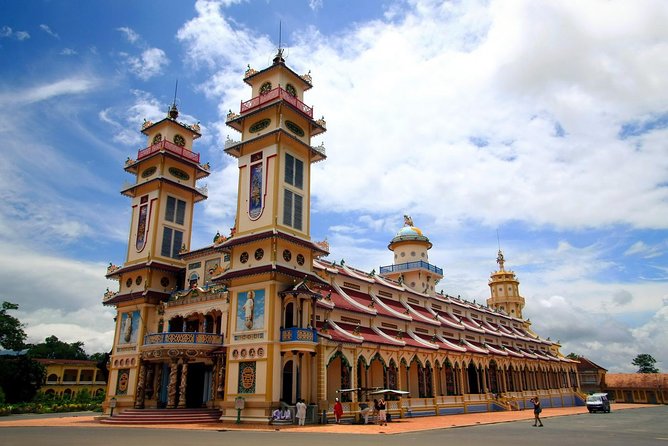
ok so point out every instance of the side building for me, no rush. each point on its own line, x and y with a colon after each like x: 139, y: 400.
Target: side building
x: 69, y: 377
x: 260, y: 316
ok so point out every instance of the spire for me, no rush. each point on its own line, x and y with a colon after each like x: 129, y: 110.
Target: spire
x: 278, y: 58
x: 173, y: 111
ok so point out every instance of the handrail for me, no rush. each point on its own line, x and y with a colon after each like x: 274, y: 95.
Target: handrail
x: 169, y: 147
x: 184, y: 337
x: 411, y: 265
x: 276, y: 93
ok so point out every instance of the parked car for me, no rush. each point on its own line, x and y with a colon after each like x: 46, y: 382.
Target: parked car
x: 598, y: 402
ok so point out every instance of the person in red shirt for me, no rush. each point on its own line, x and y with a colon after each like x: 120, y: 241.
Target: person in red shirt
x: 338, y: 411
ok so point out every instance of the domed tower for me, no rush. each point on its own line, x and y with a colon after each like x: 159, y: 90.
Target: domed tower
x: 505, y: 289
x: 411, y: 260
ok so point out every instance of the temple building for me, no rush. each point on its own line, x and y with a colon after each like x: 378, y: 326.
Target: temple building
x: 261, y: 318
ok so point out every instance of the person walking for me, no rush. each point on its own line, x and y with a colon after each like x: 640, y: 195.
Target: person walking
x: 536, y: 412
x: 301, y: 412
x: 382, y: 412
x: 338, y: 411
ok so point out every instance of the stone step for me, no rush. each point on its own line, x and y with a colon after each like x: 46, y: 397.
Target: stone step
x: 164, y: 416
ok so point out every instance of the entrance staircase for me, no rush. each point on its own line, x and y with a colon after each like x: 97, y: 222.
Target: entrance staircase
x: 164, y: 416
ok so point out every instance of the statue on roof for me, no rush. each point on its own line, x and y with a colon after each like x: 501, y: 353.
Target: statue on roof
x: 408, y: 221
x: 500, y: 261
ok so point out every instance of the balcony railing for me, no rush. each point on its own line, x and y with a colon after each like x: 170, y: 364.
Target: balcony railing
x: 276, y: 93
x: 298, y: 334
x: 411, y: 265
x: 169, y: 147
x: 183, y: 338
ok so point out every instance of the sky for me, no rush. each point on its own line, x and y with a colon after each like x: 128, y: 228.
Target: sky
x: 536, y: 126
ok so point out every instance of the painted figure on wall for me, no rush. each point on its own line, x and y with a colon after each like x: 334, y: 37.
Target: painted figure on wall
x: 255, y: 204
x: 129, y: 327
x: 250, y: 310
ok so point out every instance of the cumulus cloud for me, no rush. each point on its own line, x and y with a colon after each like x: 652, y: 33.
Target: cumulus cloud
x: 598, y: 336
x: 129, y: 34
x: 149, y: 64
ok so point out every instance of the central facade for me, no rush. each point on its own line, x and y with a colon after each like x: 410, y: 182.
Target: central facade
x: 260, y: 315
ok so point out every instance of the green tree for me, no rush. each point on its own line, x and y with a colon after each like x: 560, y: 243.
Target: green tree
x: 572, y: 355
x: 21, y: 377
x: 53, y: 348
x: 12, y: 336
x: 645, y: 363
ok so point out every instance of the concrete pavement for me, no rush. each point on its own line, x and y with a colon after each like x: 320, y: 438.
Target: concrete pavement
x: 395, y: 427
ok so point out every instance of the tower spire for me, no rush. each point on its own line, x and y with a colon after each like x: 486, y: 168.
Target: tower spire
x: 279, y: 54
x: 173, y: 111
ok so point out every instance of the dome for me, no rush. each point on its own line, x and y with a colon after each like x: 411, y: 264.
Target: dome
x: 409, y: 231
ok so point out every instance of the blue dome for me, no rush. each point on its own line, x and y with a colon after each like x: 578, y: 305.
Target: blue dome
x: 409, y: 231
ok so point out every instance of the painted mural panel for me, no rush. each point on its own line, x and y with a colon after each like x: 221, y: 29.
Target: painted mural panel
x: 129, y: 327
x: 247, y: 377
x: 211, y: 268
x: 255, y: 204
x: 142, y: 228
x: 122, y: 382
x: 250, y: 310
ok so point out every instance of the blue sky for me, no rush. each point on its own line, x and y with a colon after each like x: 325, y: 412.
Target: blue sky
x: 542, y: 120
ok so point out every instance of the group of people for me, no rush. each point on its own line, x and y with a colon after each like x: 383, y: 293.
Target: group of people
x: 284, y: 415
x: 378, y: 410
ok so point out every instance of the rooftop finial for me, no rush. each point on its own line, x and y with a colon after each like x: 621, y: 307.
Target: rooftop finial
x: 499, y: 257
x: 173, y: 111
x: 279, y: 54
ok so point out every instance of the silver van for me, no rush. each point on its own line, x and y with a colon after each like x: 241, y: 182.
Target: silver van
x: 598, y: 402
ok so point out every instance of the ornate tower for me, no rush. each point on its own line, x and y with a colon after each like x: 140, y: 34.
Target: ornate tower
x: 163, y: 196
x: 505, y: 290
x: 411, y: 260
x: 271, y: 251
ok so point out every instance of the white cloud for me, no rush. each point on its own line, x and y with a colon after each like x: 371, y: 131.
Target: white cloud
x: 43, y: 92
x: 68, y: 52
x: 8, y: 32
x: 129, y: 34
x: 599, y: 336
x: 550, y: 117
x: 49, y: 31
x: 64, y: 291
x: 315, y: 4
x: 149, y: 64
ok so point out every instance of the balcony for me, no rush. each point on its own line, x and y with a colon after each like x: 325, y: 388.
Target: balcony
x: 409, y: 266
x: 168, y: 147
x: 271, y: 95
x: 295, y: 334
x: 194, y: 338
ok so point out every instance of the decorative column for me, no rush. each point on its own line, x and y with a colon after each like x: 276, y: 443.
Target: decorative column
x: 171, y: 387
x: 313, y: 386
x: 141, y: 382
x: 150, y: 373
x: 182, y: 387
x: 157, y: 382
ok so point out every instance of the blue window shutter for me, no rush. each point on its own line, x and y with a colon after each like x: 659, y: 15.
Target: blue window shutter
x: 166, y: 249
x: 169, y: 209
x: 178, y: 240
x: 289, y: 169
x: 287, y: 208
x: 180, y: 211
x: 299, y: 173
x: 298, y: 212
